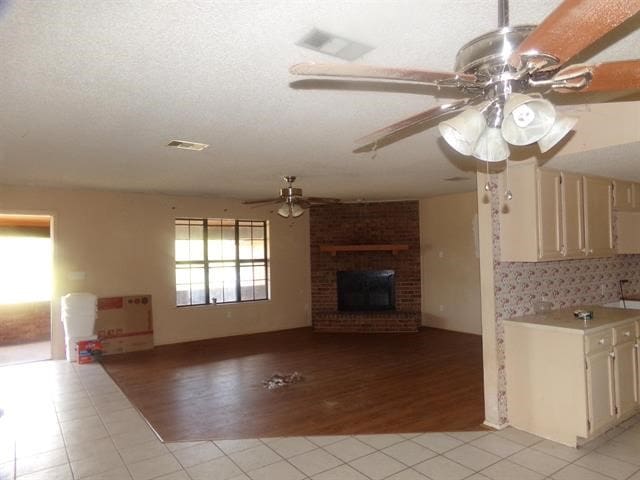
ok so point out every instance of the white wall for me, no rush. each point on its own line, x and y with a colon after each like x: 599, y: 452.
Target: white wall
x: 450, y: 263
x: 124, y: 243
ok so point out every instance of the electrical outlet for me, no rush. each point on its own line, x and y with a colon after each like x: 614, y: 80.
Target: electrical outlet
x: 602, y: 289
x: 441, y: 308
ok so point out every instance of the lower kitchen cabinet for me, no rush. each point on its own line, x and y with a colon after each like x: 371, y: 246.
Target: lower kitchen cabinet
x: 570, y: 381
x: 600, y: 390
x: 625, y: 369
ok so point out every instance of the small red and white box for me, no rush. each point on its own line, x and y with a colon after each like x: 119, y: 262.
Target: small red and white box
x: 88, y: 350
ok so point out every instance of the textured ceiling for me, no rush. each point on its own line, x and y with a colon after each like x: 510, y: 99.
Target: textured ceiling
x: 92, y: 91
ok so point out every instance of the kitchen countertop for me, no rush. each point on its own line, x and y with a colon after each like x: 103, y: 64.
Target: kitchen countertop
x: 603, y: 317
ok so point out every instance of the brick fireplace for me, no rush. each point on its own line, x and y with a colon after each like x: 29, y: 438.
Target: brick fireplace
x: 365, y: 237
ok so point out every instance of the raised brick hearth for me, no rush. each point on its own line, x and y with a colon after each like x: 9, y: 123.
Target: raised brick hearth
x: 365, y: 224
x: 367, y: 322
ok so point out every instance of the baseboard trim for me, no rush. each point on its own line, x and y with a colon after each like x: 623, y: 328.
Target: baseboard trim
x: 494, y: 426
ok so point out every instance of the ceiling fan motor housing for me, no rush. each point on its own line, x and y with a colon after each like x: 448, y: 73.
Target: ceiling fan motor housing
x: 290, y: 192
x: 488, y: 55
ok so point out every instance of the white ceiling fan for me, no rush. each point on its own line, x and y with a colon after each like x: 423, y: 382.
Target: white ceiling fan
x: 505, y: 75
x: 292, y: 200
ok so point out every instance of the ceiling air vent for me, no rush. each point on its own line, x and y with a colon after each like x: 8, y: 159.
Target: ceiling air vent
x: 198, y: 147
x: 333, y: 45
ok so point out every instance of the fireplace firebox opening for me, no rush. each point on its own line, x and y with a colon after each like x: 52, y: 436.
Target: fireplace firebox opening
x: 366, y: 290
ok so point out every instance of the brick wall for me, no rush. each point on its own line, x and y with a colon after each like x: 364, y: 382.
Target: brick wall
x: 358, y: 224
x: 25, y: 322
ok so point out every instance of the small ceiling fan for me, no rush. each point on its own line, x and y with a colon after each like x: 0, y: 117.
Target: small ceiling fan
x: 504, y: 75
x: 293, y: 202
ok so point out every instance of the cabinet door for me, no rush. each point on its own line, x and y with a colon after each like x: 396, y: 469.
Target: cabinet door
x: 598, y: 217
x: 549, y: 214
x: 572, y: 216
x: 625, y: 377
x: 628, y: 232
x: 637, y: 370
x: 600, y: 391
x: 623, y: 195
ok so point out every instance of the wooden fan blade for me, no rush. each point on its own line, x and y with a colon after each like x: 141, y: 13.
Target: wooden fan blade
x: 383, y: 86
x: 303, y: 203
x: 322, y: 200
x: 264, y: 200
x: 573, y: 26
x: 381, y: 73
x: 408, y: 126
x: 606, y: 77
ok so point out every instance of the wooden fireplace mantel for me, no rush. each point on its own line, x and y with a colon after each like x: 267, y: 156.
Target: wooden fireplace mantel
x: 394, y: 248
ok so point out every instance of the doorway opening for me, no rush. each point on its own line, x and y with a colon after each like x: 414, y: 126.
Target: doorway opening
x: 26, y: 256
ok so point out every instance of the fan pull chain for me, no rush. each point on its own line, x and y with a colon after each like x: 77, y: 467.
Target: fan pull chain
x: 507, y: 193
x: 487, y: 186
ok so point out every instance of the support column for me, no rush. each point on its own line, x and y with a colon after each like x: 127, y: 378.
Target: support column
x: 490, y: 357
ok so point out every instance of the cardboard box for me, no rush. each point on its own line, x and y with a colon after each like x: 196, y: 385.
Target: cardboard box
x: 125, y: 324
x: 88, y: 350
x: 127, y: 343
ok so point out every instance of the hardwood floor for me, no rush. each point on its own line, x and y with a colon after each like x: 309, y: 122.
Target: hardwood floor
x: 353, y: 384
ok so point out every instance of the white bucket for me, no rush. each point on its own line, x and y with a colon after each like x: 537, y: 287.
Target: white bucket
x: 79, y: 314
x: 78, y: 310
x: 79, y: 302
x: 79, y: 325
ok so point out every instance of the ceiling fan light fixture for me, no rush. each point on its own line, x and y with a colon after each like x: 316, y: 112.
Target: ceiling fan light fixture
x: 296, y: 210
x: 491, y: 147
x: 463, y: 131
x: 284, y: 210
x: 288, y: 209
x: 561, y: 127
x: 526, y: 119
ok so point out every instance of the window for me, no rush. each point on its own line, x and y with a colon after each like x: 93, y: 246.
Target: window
x: 220, y: 260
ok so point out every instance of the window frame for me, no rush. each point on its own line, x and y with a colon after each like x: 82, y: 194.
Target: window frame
x: 238, y: 262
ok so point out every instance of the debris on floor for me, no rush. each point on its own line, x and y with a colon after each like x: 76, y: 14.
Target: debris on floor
x: 277, y: 380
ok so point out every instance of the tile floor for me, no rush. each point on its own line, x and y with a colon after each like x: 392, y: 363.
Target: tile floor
x: 66, y: 421
x: 25, y: 352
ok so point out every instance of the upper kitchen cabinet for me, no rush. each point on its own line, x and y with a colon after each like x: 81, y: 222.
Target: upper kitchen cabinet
x: 626, y: 196
x: 555, y: 215
x: 572, y: 208
x: 598, y: 216
x: 628, y: 232
x: 626, y: 201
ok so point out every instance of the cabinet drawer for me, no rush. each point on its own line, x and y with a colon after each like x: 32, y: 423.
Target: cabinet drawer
x: 598, y: 341
x: 624, y: 333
